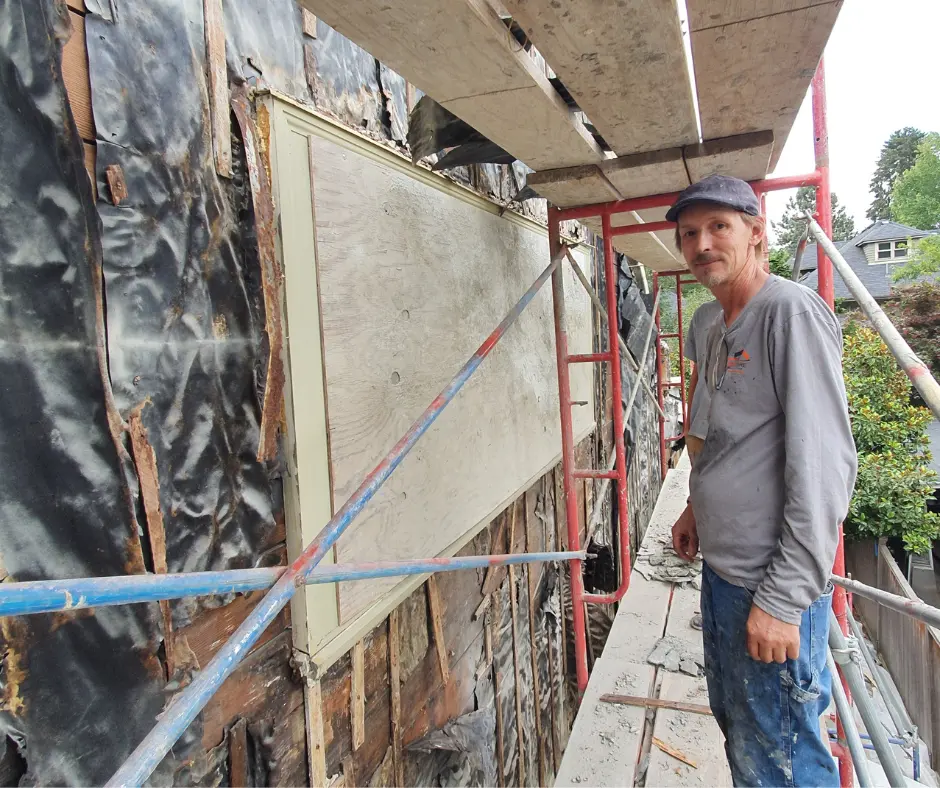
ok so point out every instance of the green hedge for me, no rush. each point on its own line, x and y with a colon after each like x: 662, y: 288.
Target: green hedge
x: 894, y: 474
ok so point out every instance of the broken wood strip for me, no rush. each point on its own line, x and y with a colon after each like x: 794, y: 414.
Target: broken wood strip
x: 116, y: 183
x: 536, y: 690
x: 219, y: 116
x: 309, y: 23
x: 437, y: 616
x: 513, y: 608
x: 394, y: 680
x: 238, y: 755
x: 357, y: 696
x: 410, y: 97
x: 90, y: 151
x: 495, y: 574
x: 348, y: 777
x: 674, y: 752
x: 488, y: 626
x: 76, y: 78
x: 145, y: 459
x: 316, y: 741
x: 656, y: 703
x: 271, y: 277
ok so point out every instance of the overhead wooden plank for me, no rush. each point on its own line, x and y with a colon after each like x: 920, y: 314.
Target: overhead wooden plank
x: 385, y: 359
x: 623, y: 63
x: 752, y: 75
x: 745, y: 156
x: 75, y: 75
x: 654, y: 250
x: 570, y: 186
x: 461, y: 53
x: 714, y: 13
x: 654, y: 172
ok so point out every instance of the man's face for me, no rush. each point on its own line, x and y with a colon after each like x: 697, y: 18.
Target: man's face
x: 717, y: 243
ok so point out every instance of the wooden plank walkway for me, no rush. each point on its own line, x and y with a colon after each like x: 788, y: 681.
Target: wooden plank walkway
x: 611, y: 744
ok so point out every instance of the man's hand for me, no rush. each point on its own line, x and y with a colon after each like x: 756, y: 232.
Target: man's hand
x: 771, y: 640
x: 685, y: 536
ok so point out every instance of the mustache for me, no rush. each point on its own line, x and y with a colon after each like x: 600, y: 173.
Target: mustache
x: 702, y: 259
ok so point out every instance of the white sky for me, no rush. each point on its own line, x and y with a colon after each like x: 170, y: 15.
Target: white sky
x: 881, y: 75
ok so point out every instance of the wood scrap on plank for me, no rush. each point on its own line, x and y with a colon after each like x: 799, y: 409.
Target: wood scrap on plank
x: 677, y: 754
x: 656, y: 703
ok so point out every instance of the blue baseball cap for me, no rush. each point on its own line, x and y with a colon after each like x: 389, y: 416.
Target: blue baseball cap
x: 719, y: 189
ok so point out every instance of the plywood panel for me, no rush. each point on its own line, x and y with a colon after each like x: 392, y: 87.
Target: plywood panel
x: 623, y: 63
x: 745, y: 156
x: 412, y: 279
x: 714, y: 13
x: 753, y: 75
x: 460, y: 53
x: 75, y: 74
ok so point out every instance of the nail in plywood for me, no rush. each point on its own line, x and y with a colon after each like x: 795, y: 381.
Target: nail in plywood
x: 75, y: 74
x: 357, y: 696
x: 753, y: 75
x: 570, y: 186
x: 218, y: 87
x: 745, y: 156
x: 394, y: 680
x: 475, y: 68
x: 623, y: 63
x: 434, y: 603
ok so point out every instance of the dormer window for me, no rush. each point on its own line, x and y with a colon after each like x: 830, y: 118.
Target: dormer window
x: 890, y: 250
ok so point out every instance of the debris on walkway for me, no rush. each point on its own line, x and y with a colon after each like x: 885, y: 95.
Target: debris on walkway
x: 656, y: 560
x: 677, y: 656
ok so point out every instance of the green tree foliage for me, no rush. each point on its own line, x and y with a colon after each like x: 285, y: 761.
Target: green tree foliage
x: 780, y: 263
x: 791, y: 226
x: 894, y: 475
x: 915, y: 198
x: 916, y: 314
x: 924, y: 260
x: 897, y: 155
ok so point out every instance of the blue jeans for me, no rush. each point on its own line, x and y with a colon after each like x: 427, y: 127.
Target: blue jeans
x: 769, y: 714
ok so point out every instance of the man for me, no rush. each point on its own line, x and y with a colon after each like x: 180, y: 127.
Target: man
x: 768, y: 490
x: 695, y: 346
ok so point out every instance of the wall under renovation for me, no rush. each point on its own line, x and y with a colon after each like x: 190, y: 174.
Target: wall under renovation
x: 141, y: 411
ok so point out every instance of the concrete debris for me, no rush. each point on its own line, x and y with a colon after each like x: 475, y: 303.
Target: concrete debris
x: 656, y: 560
x: 677, y: 656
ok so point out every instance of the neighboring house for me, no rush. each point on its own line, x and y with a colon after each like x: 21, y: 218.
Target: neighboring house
x: 873, y: 254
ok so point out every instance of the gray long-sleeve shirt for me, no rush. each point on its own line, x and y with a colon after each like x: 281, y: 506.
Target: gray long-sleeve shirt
x: 776, y: 473
x: 696, y: 344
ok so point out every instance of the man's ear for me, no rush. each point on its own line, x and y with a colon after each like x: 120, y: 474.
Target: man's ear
x: 757, y: 230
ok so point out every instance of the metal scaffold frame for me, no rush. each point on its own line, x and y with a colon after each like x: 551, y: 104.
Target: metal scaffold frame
x: 283, y: 582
